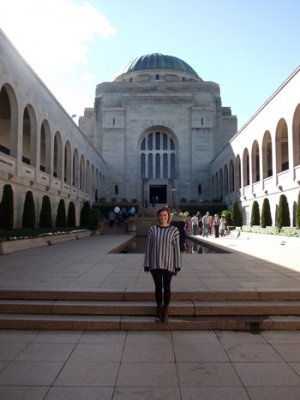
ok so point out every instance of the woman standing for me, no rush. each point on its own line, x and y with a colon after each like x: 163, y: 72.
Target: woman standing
x: 163, y: 260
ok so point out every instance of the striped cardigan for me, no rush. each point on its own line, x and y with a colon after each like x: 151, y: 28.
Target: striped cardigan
x: 163, y: 249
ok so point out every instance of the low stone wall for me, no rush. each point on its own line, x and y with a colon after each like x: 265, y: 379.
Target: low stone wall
x: 12, y: 246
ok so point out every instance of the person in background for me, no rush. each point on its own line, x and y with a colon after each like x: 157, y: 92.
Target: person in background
x: 211, y: 225
x: 186, y: 227
x: 132, y: 211
x: 195, y: 223
x: 111, y: 218
x: 216, y: 224
x: 222, y: 226
x: 199, y: 216
x: 163, y: 260
x: 205, y: 224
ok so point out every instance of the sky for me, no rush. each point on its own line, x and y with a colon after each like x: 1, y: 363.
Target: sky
x: 248, y: 47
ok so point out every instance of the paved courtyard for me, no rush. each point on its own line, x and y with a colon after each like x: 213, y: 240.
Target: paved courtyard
x: 177, y: 365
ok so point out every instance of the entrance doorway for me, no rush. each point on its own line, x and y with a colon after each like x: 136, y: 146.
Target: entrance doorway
x: 158, y: 194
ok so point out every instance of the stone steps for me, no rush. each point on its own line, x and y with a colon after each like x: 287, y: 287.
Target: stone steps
x: 136, y: 295
x: 84, y: 322
x: 135, y: 310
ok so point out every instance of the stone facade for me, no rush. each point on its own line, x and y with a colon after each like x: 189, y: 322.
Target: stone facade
x: 158, y: 131
x: 41, y: 148
x: 262, y: 160
x: 155, y: 134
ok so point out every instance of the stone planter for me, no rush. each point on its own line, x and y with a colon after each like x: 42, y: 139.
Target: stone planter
x: 12, y: 246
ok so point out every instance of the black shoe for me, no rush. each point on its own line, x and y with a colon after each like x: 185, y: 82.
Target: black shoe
x: 165, y: 314
x: 159, y: 313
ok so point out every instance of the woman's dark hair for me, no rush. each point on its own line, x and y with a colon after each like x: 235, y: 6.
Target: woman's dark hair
x: 164, y: 209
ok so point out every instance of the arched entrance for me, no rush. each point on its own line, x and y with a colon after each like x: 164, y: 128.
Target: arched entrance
x: 158, y: 165
x: 158, y: 194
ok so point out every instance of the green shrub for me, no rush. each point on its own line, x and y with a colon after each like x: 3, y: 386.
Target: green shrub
x: 298, y: 212
x: 227, y: 215
x: 236, y: 215
x: 255, y: 216
x: 7, y: 208
x: 266, y: 218
x: 28, y: 218
x: 85, y: 214
x: 283, y: 212
x: 46, y: 213
x: 94, y: 219
x: 71, y: 220
x: 61, y: 218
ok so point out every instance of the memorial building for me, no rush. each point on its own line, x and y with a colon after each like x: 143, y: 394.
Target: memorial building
x: 158, y: 125
x: 157, y: 133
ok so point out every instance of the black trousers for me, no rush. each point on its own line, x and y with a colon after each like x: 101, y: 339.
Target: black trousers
x: 162, y: 280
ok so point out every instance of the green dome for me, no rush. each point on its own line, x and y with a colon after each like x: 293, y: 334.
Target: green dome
x: 159, y: 61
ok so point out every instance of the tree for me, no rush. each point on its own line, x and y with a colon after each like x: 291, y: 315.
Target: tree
x: 71, y: 220
x: 28, y: 218
x: 236, y: 215
x: 85, y: 214
x: 283, y: 212
x: 255, y: 215
x: 94, y: 219
x: 7, y: 208
x: 46, y: 213
x: 266, y: 218
x: 61, y: 218
x: 298, y: 212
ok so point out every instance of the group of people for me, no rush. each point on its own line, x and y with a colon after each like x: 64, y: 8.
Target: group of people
x: 208, y: 225
x: 119, y: 215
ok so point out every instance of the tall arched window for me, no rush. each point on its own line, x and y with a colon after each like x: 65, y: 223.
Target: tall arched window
x: 88, y: 178
x: 76, y: 169
x: 165, y: 165
x: 150, y: 166
x: 221, y: 185
x: 282, y: 147
x: 143, y: 164
x: 173, y: 166
x: 267, y: 157
x: 158, y: 156
x: 67, y: 163
x: 157, y: 166
x: 246, y: 168
x: 296, y: 136
x: 45, y: 156
x: 225, y: 179
x: 82, y: 174
x: 5, y: 122
x: 57, y: 164
x: 231, y: 177
x: 26, y: 153
x: 238, y: 180
x: 255, y: 162
x: 8, y: 121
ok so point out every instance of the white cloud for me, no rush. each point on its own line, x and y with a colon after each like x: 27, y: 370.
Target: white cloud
x: 54, y: 36
x: 87, y: 77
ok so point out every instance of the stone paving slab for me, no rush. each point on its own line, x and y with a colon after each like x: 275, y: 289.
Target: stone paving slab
x: 161, y: 365
x: 87, y: 265
x: 121, y: 365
